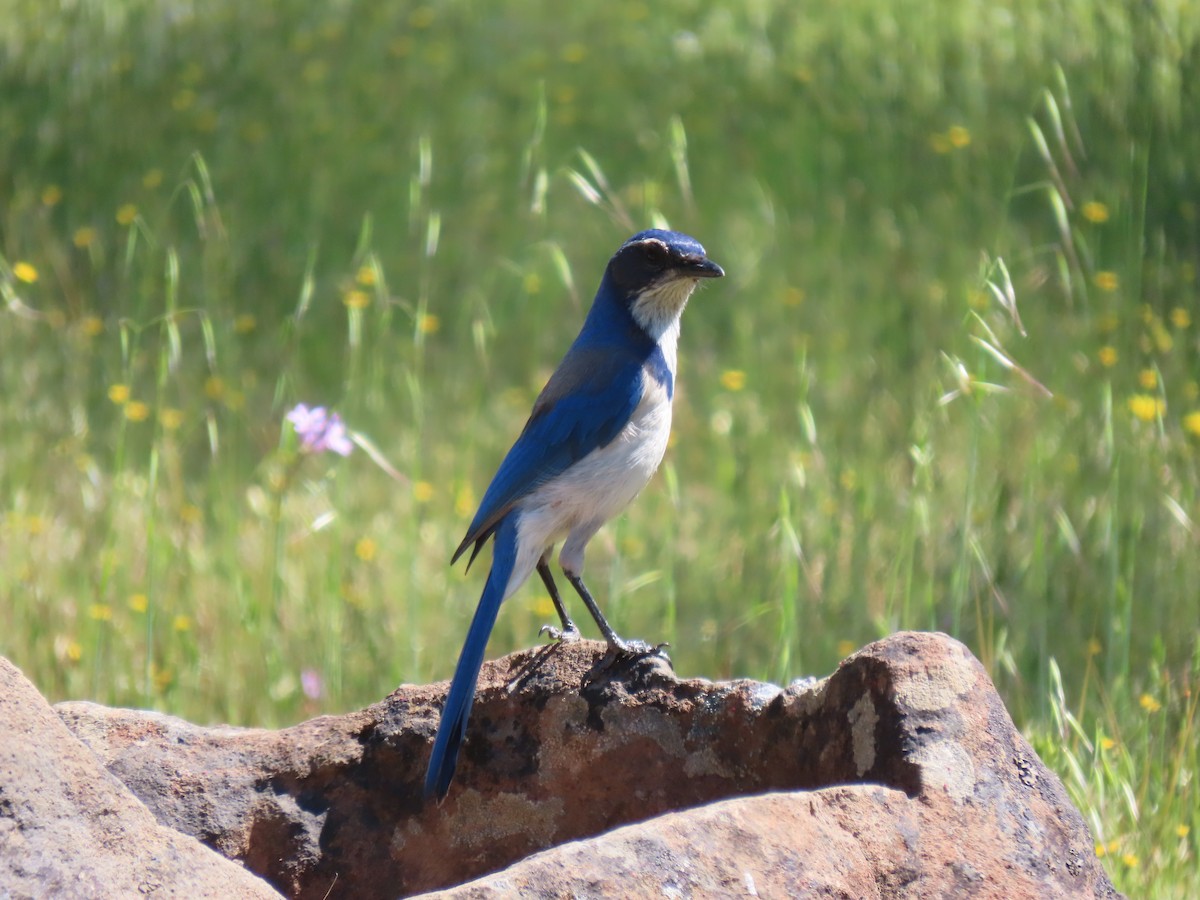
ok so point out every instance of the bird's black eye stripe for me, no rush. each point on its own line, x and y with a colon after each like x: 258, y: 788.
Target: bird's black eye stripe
x: 656, y: 252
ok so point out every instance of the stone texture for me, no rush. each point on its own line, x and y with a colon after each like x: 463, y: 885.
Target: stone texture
x: 69, y: 829
x: 900, y: 775
x: 857, y: 841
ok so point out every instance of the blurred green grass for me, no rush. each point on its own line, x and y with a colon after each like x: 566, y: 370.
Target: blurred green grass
x: 210, y: 213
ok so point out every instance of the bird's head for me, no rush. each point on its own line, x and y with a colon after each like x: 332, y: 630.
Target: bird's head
x: 656, y: 272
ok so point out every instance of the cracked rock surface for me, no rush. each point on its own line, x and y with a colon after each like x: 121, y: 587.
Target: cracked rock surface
x: 899, y: 775
x: 69, y: 829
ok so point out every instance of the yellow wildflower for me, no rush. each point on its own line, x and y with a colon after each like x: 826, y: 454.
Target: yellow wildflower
x: 464, y: 501
x: 1107, y: 356
x: 1130, y: 860
x: 1095, y: 212
x: 139, y: 603
x: 733, y: 379
x: 101, y: 612
x: 51, y: 195
x: 1191, y: 423
x: 1107, y: 743
x: 356, y: 299
x: 793, y: 296
x: 532, y: 283
x: 152, y: 179
x: 91, y: 326
x: 206, y: 121
x: 162, y: 677
x: 1148, y: 379
x: 118, y: 393
x: 1180, y: 317
x: 1149, y: 703
x: 422, y: 491
x: 1147, y: 407
x: 245, y: 323
x: 315, y: 71
x: 136, y: 411
x: 365, y: 276
x: 126, y: 214
x: 214, y: 387
x: 1182, y: 831
x: 181, y: 623
x: 574, y: 53
x: 958, y: 136
x: 1101, y: 850
x: 1162, y: 338
x: 1106, y: 281
x: 26, y: 272
x: 84, y: 237
x: 1094, y: 647
x: 428, y: 324
x: 170, y: 418
x: 254, y: 132
x: 365, y: 549
x: 421, y: 17
x: 845, y: 648
x: 74, y: 651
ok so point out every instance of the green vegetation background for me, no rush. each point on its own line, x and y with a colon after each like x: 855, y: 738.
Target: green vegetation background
x: 951, y: 381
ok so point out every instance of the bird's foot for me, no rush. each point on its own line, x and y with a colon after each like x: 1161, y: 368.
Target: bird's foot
x: 568, y: 634
x: 634, y: 649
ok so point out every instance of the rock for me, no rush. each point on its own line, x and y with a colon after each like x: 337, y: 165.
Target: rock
x: 70, y: 829
x: 853, y: 842
x: 900, y: 775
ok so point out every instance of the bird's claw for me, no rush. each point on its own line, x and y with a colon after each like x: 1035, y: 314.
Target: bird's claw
x: 566, y: 635
x: 635, y: 648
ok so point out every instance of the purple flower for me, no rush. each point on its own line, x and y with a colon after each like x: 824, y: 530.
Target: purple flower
x: 319, y: 430
x: 311, y: 684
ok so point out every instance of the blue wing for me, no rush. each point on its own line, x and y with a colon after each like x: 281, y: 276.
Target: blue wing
x: 586, y: 403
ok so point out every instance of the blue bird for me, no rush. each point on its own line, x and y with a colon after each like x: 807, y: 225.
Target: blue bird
x: 596, y: 435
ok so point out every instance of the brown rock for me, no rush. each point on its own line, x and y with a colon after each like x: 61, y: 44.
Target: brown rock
x: 70, y: 829
x: 906, y: 778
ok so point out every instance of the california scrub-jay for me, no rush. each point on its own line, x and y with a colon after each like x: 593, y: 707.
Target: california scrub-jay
x: 596, y: 434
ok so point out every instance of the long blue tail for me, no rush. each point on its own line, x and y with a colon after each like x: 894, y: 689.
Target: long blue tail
x: 453, y: 726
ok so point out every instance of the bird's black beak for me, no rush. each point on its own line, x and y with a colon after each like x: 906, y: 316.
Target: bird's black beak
x: 703, y: 267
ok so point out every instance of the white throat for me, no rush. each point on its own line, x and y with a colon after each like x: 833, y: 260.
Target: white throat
x: 658, y: 308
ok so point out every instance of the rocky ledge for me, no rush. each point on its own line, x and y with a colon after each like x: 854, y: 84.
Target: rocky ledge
x: 899, y: 775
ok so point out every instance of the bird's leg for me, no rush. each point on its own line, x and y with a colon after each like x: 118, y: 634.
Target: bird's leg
x: 568, y: 632
x: 616, y: 643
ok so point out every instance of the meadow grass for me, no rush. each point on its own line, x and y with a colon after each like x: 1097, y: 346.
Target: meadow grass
x: 951, y: 381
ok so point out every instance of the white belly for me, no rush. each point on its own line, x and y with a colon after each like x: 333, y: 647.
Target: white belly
x: 595, y: 489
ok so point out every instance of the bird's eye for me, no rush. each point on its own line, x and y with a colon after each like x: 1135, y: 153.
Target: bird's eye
x: 656, y: 253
